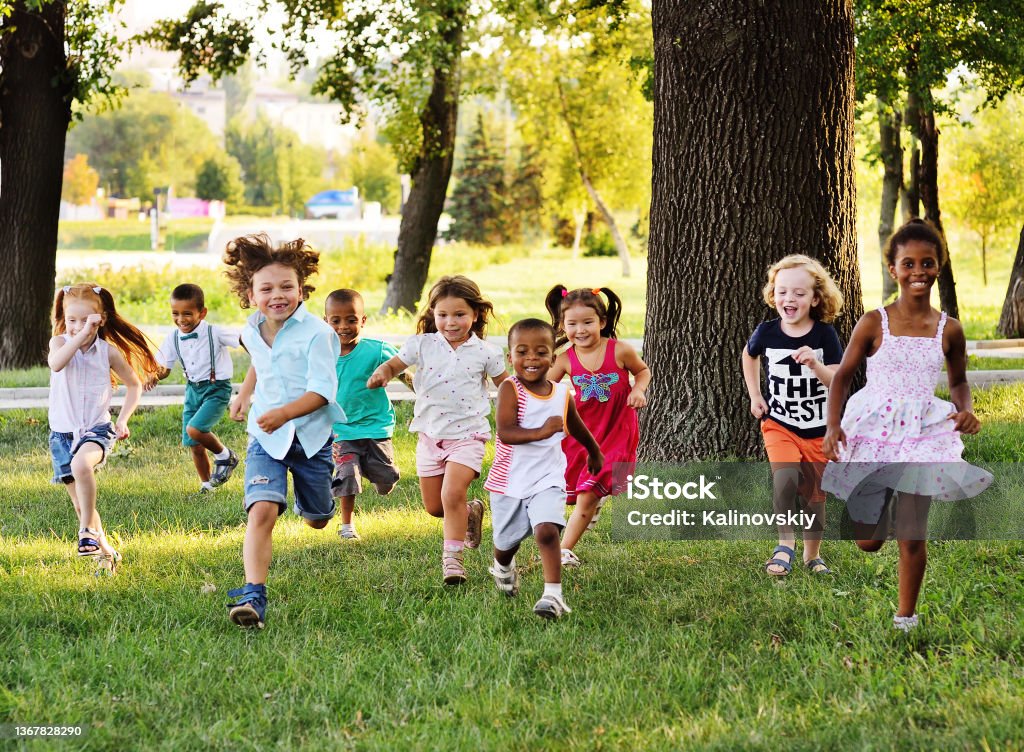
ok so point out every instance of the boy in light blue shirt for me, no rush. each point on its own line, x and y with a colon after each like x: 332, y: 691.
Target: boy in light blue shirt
x: 291, y: 386
x: 362, y: 445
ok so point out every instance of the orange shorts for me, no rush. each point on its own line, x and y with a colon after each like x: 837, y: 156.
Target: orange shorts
x: 785, y: 448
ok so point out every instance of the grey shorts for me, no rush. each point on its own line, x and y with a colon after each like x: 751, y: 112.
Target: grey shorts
x: 355, y: 459
x: 513, y: 519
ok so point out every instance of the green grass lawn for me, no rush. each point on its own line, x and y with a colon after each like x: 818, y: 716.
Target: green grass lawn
x: 670, y: 646
x: 189, y: 234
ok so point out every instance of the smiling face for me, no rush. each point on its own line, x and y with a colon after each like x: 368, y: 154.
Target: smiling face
x: 582, y: 326
x: 275, y: 291
x: 186, y: 315
x: 916, y: 268
x: 794, y: 295
x: 346, y: 319
x: 76, y: 312
x: 531, y: 353
x: 454, y: 319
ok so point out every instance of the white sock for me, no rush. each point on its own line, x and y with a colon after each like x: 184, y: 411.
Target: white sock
x: 503, y: 568
x: 207, y: 485
x: 223, y: 454
x: 553, y: 588
x: 347, y: 526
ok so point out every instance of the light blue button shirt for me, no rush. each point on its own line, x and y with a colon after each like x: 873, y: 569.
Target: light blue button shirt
x: 302, y: 360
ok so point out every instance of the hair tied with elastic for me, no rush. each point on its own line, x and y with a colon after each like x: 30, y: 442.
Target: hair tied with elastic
x: 565, y: 293
x: 596, y: 291
x: 97, y: 289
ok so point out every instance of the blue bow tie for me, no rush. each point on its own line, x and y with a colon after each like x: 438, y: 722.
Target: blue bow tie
x: 193, y: 335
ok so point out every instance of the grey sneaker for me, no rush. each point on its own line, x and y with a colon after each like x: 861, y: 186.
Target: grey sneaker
x: 348, y: 532
x: 222, y: 469
x: 474, y: 523
x: 506, y: 582
x: 551, y: 607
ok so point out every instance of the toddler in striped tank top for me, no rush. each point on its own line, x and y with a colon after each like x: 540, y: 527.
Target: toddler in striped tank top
x: 527, y: 478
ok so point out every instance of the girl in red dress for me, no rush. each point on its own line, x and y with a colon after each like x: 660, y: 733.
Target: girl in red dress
x: 599, y: 366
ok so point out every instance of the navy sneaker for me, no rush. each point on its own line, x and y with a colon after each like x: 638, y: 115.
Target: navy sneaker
x: 250, y: 606
x: 222, y: 469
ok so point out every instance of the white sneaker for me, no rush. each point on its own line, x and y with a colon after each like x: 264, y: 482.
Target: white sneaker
x: 904, y: 623
x: 506, y: 582
x: 551, y: 607
x: 348, y: 532
x: 569, y: 559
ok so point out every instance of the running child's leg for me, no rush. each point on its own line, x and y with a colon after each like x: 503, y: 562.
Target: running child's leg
x: 348, y: 506
x: 785, y: 482
x: 257, y: 549
x: 201, y: 460
x: 582, y: 514
x: 83, y: 468
x: 549, y: 546
x: 454, y: 488
x: 911, y: 534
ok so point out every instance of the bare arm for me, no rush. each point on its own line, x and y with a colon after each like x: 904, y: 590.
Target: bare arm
x: 752, y: 378
x: 132, y: 394
x: 273, y: 419
x: 62, y: 352
x: 862, y: 342
x: 505, y: 419
x: 964, y: 419
x: 241, y: 403
x: 579, y: 431
x: 561, y: 367
x: 385, y: 372
x: 632, y: 362
x: 805, y: 356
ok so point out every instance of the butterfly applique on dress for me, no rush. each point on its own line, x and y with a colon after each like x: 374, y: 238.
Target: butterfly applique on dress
x: 595, y: 385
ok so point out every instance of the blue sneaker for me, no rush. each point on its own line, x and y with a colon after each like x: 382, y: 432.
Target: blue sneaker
x: 250, y: 606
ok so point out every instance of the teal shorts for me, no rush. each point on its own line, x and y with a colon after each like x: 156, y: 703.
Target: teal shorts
x: 205, y: 404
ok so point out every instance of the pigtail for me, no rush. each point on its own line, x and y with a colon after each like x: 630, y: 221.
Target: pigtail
x: 425, y: 323
x: 57, y: 316
x: 127, y: 338
x: 553, y: 302
x: 611, y: 322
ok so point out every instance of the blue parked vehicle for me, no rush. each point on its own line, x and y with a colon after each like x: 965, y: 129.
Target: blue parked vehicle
x: 334, y: 204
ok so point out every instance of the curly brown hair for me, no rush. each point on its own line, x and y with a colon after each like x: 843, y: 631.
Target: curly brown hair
x: 456, y: 286
x: 248, y: 254
x: 830, y: 299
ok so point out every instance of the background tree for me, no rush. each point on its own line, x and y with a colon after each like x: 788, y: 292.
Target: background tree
x: 753, y: 159
x: 478, y: 203
x: 1011, y: 320
x: 80, y: 181
x: 53, y: 55
x: 982, y: 173
x: 909, y: 49
x: 220, y: 179
x: 147, y: 142
x: 372, y: 167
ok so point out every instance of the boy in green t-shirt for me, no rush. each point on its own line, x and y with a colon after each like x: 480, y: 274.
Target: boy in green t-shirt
x: 362, y: 446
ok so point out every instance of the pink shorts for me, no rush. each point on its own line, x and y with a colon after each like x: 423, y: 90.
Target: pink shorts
x: 433, y: 454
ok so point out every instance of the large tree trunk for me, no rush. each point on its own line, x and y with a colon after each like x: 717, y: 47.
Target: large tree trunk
x: 889, y: 126
x: 430, y: 176
x: 34, y: 117
x: 588, y: 184
x: 1011, y: 321
x: 910, y: 194
x: 753, y: 160
x: 928, y: 135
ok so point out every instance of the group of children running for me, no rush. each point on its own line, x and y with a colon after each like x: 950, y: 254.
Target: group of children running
x: 315, y: 404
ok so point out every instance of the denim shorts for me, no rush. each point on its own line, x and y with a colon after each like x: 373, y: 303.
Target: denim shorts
x: 266, y: 479
x: 63, y: 448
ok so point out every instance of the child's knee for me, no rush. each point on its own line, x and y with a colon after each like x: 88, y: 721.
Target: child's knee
x: 586, y: 503
x: 316, y: 524
x: 194, y: 433
x: 546, y: 534
x: 913, y: 548
x: 870, y: 545
x: 263, y: 513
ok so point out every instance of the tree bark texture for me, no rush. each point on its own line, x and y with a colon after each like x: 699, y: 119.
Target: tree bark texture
x: 432, y: 171
x: 910, y: 195
x: 928, y: 183
x: 1011, y: 321
x: 588, y: 184
x: 889, y: 125
x: 753, y: 160
x: 34, y: 115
